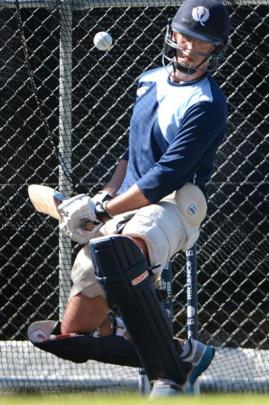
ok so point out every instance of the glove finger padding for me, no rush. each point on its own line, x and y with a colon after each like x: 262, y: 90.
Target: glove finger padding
x: 82, y: 236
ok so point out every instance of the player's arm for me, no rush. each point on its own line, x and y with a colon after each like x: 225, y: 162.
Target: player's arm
x: 199, y: 135
x: 117, y: 178
x: 130, y: 200
x: 110, y: 189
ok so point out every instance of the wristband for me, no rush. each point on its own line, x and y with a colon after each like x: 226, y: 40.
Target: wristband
x: 101, y: 212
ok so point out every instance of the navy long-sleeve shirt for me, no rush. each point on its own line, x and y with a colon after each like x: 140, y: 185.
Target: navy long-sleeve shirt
x: 174, y: 133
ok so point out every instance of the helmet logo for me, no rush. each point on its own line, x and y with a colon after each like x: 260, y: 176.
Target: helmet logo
x: 200, y: 14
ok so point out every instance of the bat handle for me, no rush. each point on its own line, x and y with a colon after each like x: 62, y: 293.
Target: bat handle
x: 58, y: 197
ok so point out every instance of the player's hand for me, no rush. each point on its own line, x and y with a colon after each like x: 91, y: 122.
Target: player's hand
x: 78, y: 219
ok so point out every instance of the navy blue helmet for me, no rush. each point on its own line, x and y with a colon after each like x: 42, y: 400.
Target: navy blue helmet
x: 206, y: 20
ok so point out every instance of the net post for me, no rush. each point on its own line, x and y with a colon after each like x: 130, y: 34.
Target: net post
x: 65, y: 142
x: 192, y: 302
x: 191, y: 285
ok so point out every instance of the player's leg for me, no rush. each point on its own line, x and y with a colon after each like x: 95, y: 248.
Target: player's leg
x: 123, y: 271
x: 87, y: 307
x: 110, y: 344
x: 84, y: 314
x: 79, y: 348
x: 168, y: 227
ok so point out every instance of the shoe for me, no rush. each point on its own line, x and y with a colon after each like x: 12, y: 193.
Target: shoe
x: 201, y: 356
x: 165, y: 388
x: 40, y: 331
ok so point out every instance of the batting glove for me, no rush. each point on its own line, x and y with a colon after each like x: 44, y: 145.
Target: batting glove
x: 82, y: 236
x: 78, y: 218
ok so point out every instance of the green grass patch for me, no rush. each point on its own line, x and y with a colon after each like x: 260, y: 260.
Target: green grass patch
x: 132, y: 399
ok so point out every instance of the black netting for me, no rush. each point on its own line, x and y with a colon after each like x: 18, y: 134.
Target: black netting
x: 232, y: 251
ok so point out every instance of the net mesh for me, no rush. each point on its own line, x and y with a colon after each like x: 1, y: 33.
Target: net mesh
x: 81, y: 99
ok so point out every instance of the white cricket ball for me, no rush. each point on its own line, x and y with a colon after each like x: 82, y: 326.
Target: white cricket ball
x: 102, y: 40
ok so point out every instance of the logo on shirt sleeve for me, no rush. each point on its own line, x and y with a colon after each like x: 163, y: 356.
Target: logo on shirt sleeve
x: 142, y: 90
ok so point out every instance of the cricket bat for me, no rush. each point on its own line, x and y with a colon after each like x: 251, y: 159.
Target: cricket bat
x: 46, y: 201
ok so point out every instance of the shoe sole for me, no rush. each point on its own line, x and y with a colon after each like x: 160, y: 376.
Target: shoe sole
x: 164, y: 391
x: 202, y: 365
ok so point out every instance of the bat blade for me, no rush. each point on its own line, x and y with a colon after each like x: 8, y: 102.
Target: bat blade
x: 45, y: 200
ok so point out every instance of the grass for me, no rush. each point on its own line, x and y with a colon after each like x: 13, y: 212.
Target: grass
x: 97, y: 399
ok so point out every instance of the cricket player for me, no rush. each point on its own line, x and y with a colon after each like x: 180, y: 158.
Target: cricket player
x: 155, y: 202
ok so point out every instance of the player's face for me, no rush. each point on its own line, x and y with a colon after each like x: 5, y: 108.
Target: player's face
x: 192, y: 52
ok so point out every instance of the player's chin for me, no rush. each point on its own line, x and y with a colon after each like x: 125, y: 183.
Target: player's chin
x: 192, y: 65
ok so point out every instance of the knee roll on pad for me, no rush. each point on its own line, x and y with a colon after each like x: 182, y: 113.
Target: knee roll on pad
x: 122, y: 269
